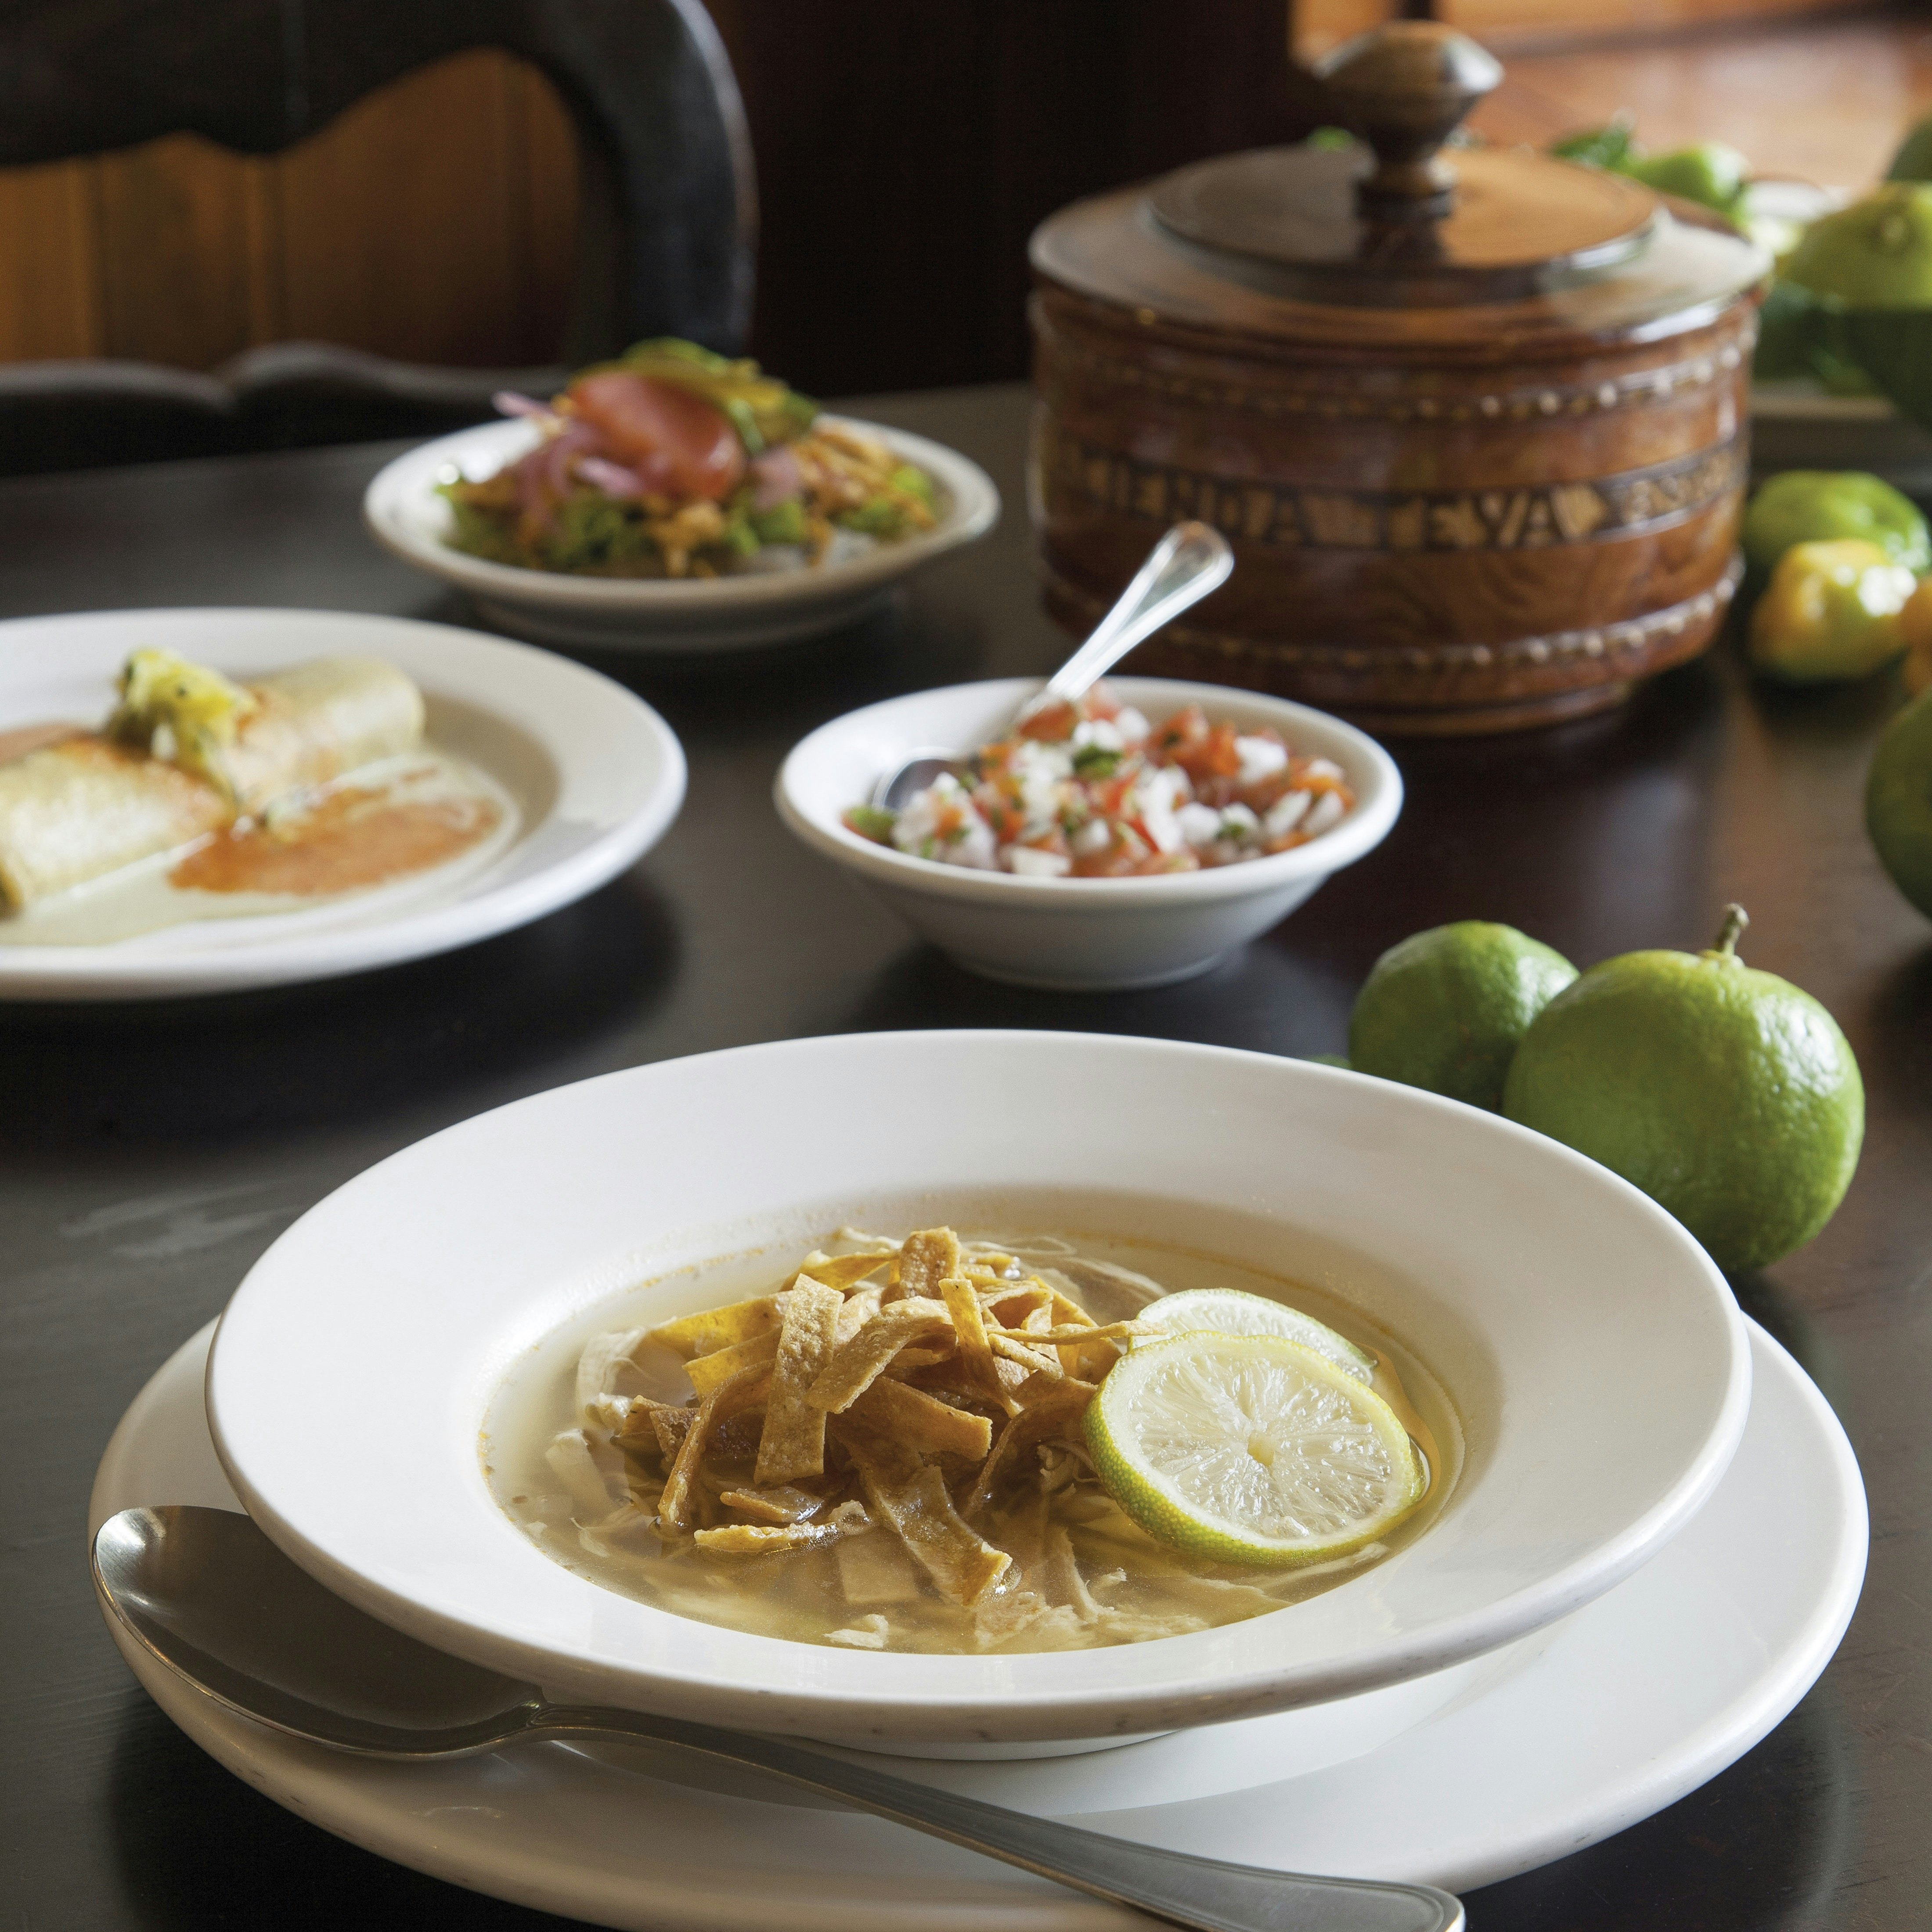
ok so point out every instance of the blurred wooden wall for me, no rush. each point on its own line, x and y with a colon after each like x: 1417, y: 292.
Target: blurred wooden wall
x: 904, y: 152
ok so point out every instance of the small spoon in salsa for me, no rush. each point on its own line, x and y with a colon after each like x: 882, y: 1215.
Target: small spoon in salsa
x: 1191, y: 560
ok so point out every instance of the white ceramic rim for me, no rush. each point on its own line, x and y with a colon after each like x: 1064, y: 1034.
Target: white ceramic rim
x: 405, y: 485
x: 627, y: 780
x: 355, y: 1541
x: 1371, y: 771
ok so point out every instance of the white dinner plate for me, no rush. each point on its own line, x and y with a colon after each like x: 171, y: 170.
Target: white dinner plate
x: 1575, y: 1734
x: 596, y: 777
x: 406, y: 515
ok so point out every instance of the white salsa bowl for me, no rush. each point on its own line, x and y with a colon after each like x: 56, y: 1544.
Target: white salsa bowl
x: 404, y: 513
x: 1076, y: 935
x: 1593, y: 1364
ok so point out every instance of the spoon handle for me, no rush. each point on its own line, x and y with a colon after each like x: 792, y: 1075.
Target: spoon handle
x: 1203, y: 1894
x: 1191, y: 560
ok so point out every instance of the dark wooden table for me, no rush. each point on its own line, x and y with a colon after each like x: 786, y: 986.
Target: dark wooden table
x: 149, y: 1154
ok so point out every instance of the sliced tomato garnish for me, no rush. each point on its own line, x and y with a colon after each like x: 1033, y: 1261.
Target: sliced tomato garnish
x: 679, y: 445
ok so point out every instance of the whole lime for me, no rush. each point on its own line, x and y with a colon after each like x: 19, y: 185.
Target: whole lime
x: 1876, y: 254
x: 1728, y: 1095
x: 1445, y: 1008
x: 1898, y: 801
x: 1817, y: 505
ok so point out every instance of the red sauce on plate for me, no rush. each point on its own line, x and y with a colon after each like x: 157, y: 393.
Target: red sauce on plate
x: 354, y: 838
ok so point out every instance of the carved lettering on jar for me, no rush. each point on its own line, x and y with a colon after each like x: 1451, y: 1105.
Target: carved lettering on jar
x: 1285, y: 517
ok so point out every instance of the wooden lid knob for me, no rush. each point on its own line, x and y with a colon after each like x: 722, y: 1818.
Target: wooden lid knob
x: 1404, y: 89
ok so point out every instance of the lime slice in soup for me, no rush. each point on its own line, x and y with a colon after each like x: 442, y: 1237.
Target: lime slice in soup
x: 1251, y: 1449
x: 1230, y: 1311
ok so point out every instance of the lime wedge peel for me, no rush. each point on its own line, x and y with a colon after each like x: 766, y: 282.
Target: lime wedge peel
x: 1251, y: 1449
x: 1230, y: 1311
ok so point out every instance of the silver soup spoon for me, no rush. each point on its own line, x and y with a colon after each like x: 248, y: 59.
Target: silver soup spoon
x: 1191, y: 560
x: 209, y: 1596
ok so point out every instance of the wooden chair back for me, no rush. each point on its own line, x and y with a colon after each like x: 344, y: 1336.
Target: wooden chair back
x: 668, y: 235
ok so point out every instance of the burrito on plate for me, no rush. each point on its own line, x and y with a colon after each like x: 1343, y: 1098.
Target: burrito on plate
x: 185, y: 753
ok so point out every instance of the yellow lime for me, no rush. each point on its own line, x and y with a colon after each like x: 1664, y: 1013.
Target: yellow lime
x: 1251, y: 1449
x: 1730, y: 1097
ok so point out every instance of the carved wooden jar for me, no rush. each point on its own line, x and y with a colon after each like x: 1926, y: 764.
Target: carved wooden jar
x: 1479, y: 438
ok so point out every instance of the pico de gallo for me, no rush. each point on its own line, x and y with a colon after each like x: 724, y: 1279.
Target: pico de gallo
x: 673, y: 461
x: 1093, y: 790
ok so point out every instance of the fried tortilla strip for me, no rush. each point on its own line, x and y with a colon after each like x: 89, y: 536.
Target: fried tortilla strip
x: 1035, y: 1361
x: 765, y: 1539
x: 857, y: 1363
x: 844, y: 1272
x: 909, y: 1495
x: 793, y: 1441
x: 651, y: 1425
x: 922, y: 1421
x: 860, y: 1306
x: 717, y: 1328
x: 675, y: 1507
x: 925, y: 1261
x: 970, y: 1337
x: 1052, y: 1414
x: 707, y: 1371
x: 1113, y: 1331
x: 782, y: 1504
x: 1015, y: 1303
x: 876, y: 1569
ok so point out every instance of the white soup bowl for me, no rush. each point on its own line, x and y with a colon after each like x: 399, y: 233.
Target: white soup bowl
x: 1592, y: 1366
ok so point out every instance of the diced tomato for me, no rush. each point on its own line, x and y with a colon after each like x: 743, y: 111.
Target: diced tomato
x: 1187, y: 726
x: 1117, y: 860
x: 1052, y: 724
x: 1212, y: 757
x: 1264, y: 792
x: 1100, y: 702
x: 679, y: 446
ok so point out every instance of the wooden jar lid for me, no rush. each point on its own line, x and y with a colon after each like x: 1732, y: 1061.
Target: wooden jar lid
x: 1398, y: 241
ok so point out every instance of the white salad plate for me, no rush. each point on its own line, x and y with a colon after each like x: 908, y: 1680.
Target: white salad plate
x: 405, y: 513
x: 1077, y: 935
x: 1538, y: 1290
x: 595, y: 775
x: 1571, y: 1735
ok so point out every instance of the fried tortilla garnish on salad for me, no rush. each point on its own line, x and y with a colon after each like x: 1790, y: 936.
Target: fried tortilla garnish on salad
x: 674, y: 462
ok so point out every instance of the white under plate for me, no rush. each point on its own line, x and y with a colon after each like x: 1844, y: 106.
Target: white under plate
x: 1546, y: 1753
x: 405, y: 515
x: 597, y: 777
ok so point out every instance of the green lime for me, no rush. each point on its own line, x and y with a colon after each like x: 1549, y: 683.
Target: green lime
x: 1251, y: 1449
x: 1876, y: 254
x: 1229, y: 1311
x: 1913, y: 161
x: 1817, y: 505
x: 1445, y: 1008
x: 1727, y: 1095
x: 1898, y: 801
